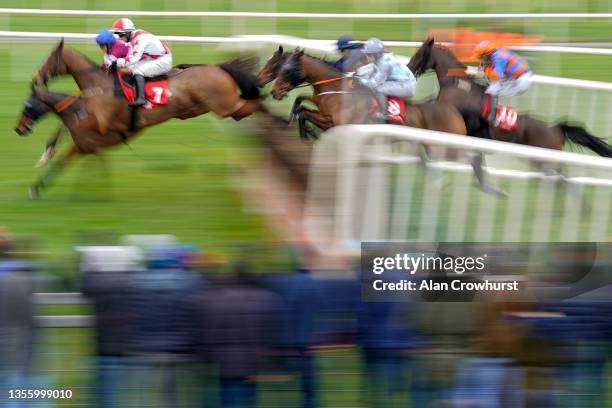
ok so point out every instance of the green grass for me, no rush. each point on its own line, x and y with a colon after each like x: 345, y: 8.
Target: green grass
x: 180, y: 178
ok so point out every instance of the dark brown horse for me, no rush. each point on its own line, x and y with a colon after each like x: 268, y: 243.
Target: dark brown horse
x: 193, y: 91
x: 82, y: 125
x: 341, y: 101
x: 459, y: 89
x: 269, y: 72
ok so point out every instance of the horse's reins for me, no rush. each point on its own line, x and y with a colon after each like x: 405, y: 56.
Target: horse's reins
x: 62, y: 105
x: 327, y: 81
x: 456, y: 73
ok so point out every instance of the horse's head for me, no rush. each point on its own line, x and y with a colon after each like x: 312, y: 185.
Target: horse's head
x: 422, y: 61
x: 290, y: 75
x: 270, y: 70
x: 437, y: 57
x: 54, y: 66
x: 34, y: 108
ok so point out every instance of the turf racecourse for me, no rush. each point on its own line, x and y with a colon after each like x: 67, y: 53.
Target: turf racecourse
x: 177, y: 178
x: 180, y: 177
x: 183, y: 177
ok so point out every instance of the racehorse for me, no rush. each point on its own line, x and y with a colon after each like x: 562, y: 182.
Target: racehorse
x: 340, y: 102
x: 193, y: 91
x: 82, y: 125
x: 457, y: 88
x: 269, y: 72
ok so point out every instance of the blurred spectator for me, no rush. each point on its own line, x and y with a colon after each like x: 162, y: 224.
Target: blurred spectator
x: 17, y: 326
x: 162, y: 302
x: 106, y: 281
x: 16, y: 320
x: 300, y: 302
x: 386, y: 342
x: 238, y: 330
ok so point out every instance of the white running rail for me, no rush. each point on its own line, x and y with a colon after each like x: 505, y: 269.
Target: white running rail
x: 374, y: 182
x: 352, y: 16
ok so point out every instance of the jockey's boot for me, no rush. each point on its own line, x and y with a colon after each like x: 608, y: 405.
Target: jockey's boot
x: 382, y: 106
x: 140, y: 91
x: 493, y: 99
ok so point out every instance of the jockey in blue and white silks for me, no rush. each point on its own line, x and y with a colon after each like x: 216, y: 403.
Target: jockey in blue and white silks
x: 385, y: 74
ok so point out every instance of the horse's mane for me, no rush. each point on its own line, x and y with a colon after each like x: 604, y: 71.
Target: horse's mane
x: 85, y: 57
x: 449, y: 52
x: 330, y: 64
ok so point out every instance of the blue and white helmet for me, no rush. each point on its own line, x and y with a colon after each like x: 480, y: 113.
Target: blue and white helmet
x: 373, y: 46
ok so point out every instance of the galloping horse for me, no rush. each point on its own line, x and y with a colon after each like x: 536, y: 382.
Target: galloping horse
x: 269, y: 71
x: 340, y: 102
x: 193, y: 91
x: 83, y: 128
x: 457, y: 88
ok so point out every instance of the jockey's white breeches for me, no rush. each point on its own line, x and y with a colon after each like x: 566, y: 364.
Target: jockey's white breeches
x: 152, y: 67
x: 511, y: 87
x: 402, y: 90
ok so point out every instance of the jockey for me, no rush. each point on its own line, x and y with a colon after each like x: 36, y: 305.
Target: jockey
x: 510, y: 72
x: 113, y: 48
x: 384, y: 74
x: 147, y: 56
x: 351, y: 53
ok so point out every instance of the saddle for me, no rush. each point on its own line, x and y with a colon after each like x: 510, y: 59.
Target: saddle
x: 156, y: 89
x: 505, y: 117
x: 395, y: 109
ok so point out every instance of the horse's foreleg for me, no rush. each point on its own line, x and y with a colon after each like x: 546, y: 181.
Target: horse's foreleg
x: 317, y: 118
x: 297, y: 106
x: 477, y: 162
x: 50, y: 147
x: 57, y: 166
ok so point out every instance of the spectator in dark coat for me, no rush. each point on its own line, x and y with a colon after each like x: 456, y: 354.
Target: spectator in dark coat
x: 238, y: 333
x: 16, y: 321
x: 300, y: 302
x: 106, y: 282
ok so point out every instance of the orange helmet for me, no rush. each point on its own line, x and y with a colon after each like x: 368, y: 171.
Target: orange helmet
x: 483, y: 48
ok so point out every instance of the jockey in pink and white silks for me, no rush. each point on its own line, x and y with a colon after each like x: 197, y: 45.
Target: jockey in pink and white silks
x: 147, y: 56
x: 113, y: 48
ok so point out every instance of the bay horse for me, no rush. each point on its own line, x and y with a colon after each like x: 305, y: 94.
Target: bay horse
x: 83, y: 127
x: 193, y: 91
x: 340, y: 102
x: 459, y: 89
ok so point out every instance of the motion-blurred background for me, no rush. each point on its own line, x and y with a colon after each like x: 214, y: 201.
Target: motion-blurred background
x: 231, y: 315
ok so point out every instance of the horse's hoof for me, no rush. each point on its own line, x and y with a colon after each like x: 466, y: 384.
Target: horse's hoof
x: 33, y: 193
x: 487, y: 189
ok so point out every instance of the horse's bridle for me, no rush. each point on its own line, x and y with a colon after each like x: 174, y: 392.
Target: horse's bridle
x: 292, y: 74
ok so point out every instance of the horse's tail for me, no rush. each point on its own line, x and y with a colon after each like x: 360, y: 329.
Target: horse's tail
x: 245, y: 80
x: 579, y: 135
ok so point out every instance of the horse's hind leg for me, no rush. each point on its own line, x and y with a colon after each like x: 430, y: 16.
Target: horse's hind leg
x: 50, y: 147
x: 57, y: 166
x: 249, y: 107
